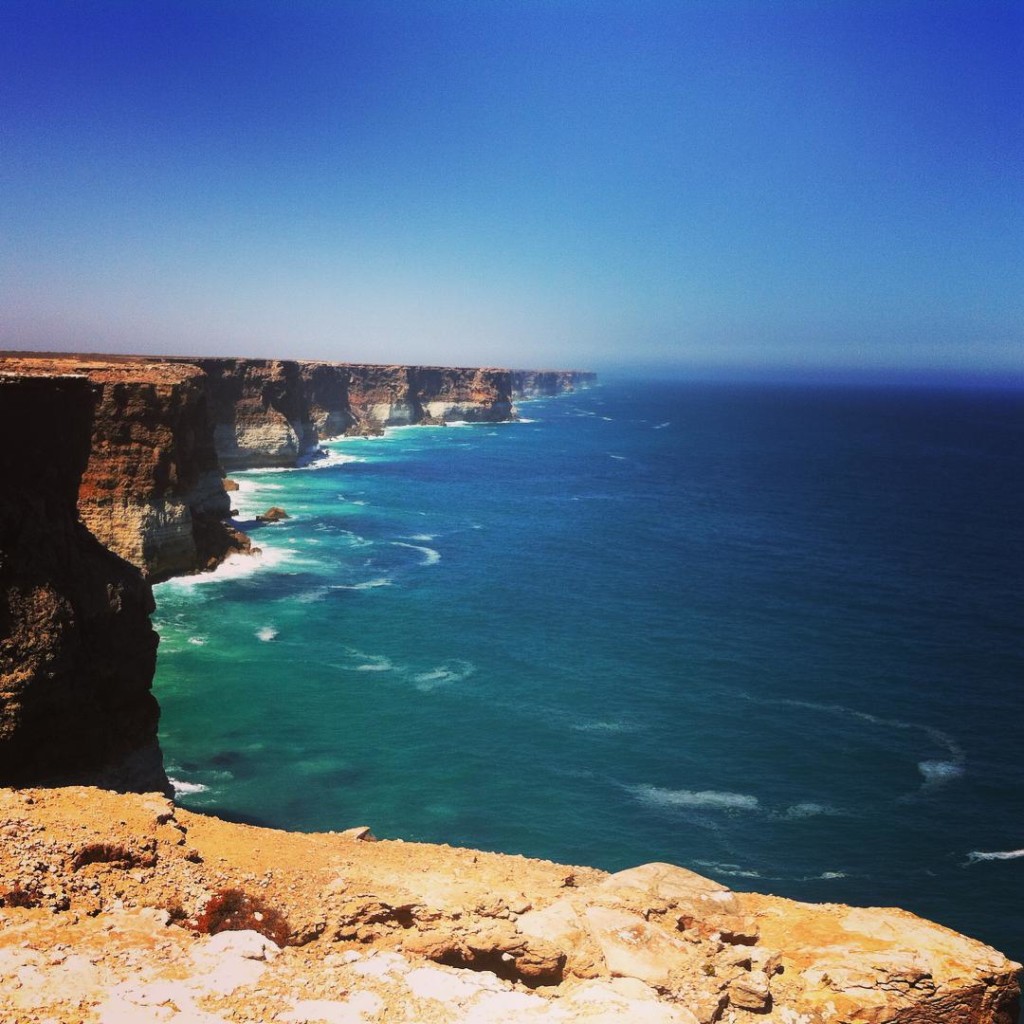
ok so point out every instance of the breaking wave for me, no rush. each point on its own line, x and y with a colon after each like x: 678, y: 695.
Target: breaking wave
x: 453, y: 671
x: 976, y: 856
x: 377, y: 581
x: 430, y: 556
x: 186, y: 788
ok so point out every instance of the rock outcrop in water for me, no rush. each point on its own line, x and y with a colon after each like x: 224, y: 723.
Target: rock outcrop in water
x: 77, y: 652
x: 412, y: 932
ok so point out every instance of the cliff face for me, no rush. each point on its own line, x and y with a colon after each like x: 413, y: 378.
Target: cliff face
x: 166, y: 430
x: 538, y: 383
x: 382, y: 396
x: 77, y: 652
x: 152, y: 490
x: 271, y: 413
x: 260, y: 412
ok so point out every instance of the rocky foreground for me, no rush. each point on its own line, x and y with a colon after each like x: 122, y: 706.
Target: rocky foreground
x: 106, y: 899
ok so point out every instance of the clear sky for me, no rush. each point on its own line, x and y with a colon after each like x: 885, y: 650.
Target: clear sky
x: 774, y: 183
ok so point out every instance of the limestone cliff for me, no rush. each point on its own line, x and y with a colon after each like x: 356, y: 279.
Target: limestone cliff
x: 418, y: 933
x: 77, y: 652
x: 394, y: 395
x: 152, y: 490
x: 260, y: 412
x: 165, y: 431
x: 539, y: 383
x: 272, y: 412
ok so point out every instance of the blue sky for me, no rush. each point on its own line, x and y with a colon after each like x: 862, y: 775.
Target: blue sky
x: 748, y: 186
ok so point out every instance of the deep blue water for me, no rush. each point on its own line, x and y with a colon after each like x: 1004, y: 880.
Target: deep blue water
x: 770, y: 633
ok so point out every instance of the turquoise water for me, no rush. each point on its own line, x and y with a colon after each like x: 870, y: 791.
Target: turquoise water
x: 770, y: 633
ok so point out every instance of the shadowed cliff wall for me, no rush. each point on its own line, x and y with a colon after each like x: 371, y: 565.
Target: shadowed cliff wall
x: 77, y: 652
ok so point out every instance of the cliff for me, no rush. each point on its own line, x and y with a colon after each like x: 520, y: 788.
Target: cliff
x: 394, y: 395
x: 538, y: 383
x: 152, y: 490
x: 77, y: 652
x: 357, y: 930
x: 272, y: 413
x: 165, y: 432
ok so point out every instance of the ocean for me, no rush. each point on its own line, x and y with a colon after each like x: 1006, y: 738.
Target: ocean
x: 769, y: 632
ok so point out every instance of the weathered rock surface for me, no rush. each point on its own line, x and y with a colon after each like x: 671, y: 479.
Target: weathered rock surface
x: 77, y: 652
x: 399, y: 931
x: 152, y: 490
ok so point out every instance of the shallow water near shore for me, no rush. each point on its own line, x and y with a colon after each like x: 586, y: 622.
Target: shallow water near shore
x: 769, y: 633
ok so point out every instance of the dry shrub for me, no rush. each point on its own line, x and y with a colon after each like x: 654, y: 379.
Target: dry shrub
x: 113, y: 853
x: 232, y: 910
x: 18, y: 897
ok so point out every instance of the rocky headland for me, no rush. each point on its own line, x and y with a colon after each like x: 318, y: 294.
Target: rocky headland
x: 164, y: 432
x: 123, y: 907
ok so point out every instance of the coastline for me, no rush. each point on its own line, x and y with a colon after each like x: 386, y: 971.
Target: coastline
x: 697, y: 953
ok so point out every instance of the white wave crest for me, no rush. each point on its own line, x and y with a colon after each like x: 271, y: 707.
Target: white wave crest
x: 372, y: 662
x: 830, y: 875
x: 184, y: 788
x: 322, y: 458
x: 430, y: 556
x: 732, y: 870
x: 976, y: 856
x: 662, y: 426
x: 266, y: 634
x: 705, y: 798
x: 197, y: 641
x: 233, y: 567
x: 453, y: 671
x: 937, y: 772
x: 808, y: 809
x: 310, y: 596
x: 379, y: 581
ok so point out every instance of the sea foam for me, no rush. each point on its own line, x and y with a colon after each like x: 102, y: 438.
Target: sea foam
x: 705, y: 798
x: 430, y: 556
x: 186, y: 788
x: 979, y: 855
x: 454, y: 670
x: 378, y: 581
x: 233, y: 567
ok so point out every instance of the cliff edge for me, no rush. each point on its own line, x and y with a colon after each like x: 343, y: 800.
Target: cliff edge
x: 111, y: 901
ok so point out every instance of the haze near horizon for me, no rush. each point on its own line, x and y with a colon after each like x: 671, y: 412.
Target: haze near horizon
x: 742, y: 187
